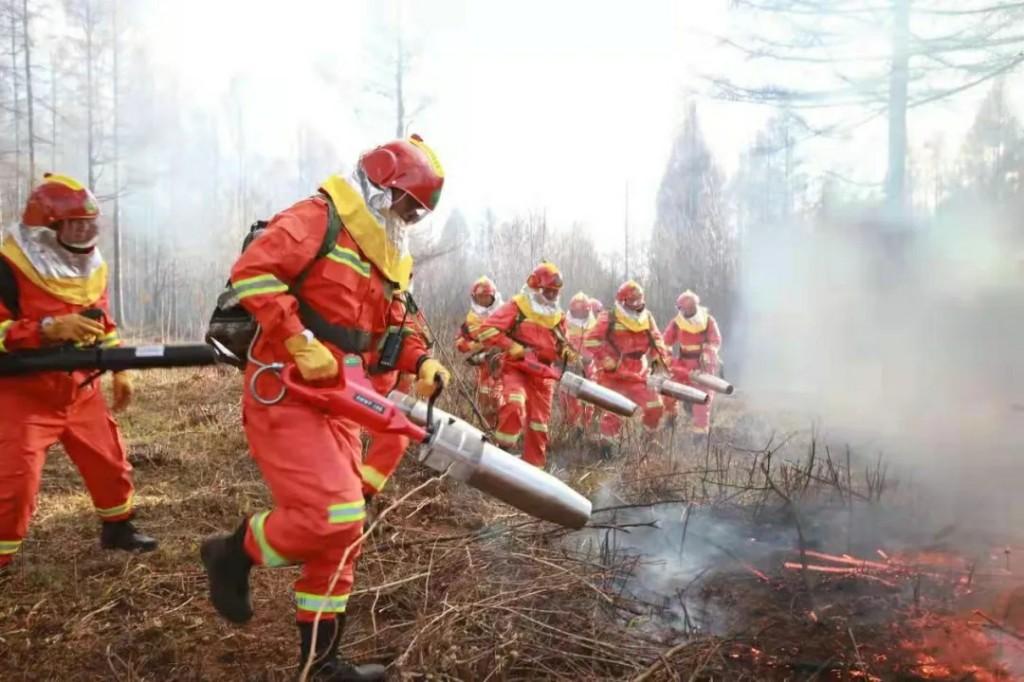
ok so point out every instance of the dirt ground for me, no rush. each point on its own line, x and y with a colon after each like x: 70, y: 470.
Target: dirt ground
x: 451, y: 586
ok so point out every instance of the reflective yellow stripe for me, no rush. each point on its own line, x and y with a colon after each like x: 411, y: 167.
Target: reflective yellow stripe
x: 260, y: 284
x: 372, y: 477
x: 487, y: 333
x: 321, y: 602
x: 517, y: 398
x: 4, y: 326
x: 115, y: 511
x: 654, y: 403
x: 592, y: 343
x: 346, y: 512
x: 506, y: 438
x: 270, y: 557
x: 691, y: 346
x: 538, y: 426
x: 9, y: 546
x: 349, y: 258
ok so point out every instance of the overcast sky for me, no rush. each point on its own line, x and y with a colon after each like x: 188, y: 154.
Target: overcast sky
x: 534, y: 104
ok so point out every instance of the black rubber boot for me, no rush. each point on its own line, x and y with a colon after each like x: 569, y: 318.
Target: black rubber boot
x: 227, y: 567
x: 124, y: 535
x: 328, y: 666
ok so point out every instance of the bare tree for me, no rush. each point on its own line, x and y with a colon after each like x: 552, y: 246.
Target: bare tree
x: 692, y: 245
x: 392, y: 63
x: 935, y: 52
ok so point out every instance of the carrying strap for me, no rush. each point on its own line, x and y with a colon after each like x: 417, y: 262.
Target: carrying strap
x: 348, y: 339
x: 9, y: 289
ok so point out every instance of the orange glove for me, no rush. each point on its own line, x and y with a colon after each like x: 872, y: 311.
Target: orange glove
x: 74, y: 327
x: 123, y: 390
x: 314, y: 361
x: 430, y: 371
x: 516, y: 351
x: 609, y: 364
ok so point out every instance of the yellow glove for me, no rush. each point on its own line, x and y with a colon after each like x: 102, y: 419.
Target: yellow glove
x: 123, y: 390
x: 314, y: 361
x: 474, y: 347
x: 609, y: 364
x: 516, y: 351
x: 430, y: 370
x: 569, y: 355
x: 73, y: 327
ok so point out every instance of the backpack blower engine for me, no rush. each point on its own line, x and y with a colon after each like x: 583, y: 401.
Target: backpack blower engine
x: 448, y: 444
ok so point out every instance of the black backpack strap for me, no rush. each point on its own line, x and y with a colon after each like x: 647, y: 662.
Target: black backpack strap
x: 9, y: 294
x: 326, y: 246
x: 348, y: 339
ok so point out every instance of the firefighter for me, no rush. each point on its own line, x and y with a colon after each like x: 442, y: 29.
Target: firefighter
x: 484, y: 299
x: 626, y: 344
x: 338, y: 313
x: 696, y: 332
x: 533, y: 324
x: 579, y: 321
x: 56, y: 294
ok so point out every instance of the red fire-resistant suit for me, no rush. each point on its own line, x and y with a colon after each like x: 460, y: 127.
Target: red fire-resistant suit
x: 385, y: 450
x: 488, y: 381
x: 39, y: 410
x: 526, y: 399
x: 622, y: 349
x: 310, y: 460
x: 576, y: 412
x: 699, y: 341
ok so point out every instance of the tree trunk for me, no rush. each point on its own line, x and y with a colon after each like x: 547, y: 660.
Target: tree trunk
x: 895, y: 181
x: 27, y: 46
x: 399, y: 95
x: 14, y: 105
x: 118, y: 276
x: 90, y: 97
x: 53, y: 113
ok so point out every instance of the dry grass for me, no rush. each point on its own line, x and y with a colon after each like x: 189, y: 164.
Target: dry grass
x: 452, y: 586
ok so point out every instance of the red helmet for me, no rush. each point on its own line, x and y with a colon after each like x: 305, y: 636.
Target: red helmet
x: 545, y: 276
x: 579, y: 305
x: 407, y: 165
x: 483, y: 287
x: 631, y: 295
x: 687, y: 295
x: 58, y: 197
x: 596, y: 306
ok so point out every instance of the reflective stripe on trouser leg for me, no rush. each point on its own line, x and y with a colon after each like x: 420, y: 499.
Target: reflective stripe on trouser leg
x: 120, y: 510
x: 382, y: 459
x: 347, y: 512
x: 268, y: 556
x: 538, y: 409
x: 8, y: 547
x: 653, y: 410
x: 324, y: 603
x: 511, y: 415
x: 373, y: 480
x: 93, y: 442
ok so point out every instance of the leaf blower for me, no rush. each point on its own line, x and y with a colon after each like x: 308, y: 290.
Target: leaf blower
x: 447, y: 444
